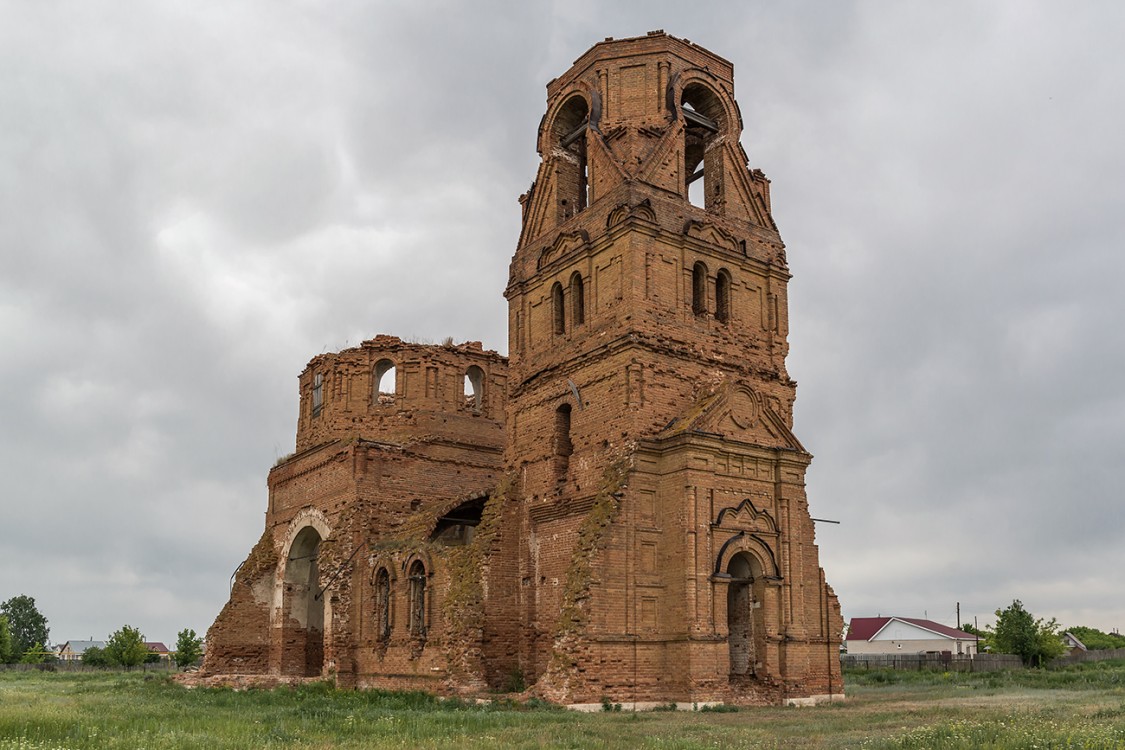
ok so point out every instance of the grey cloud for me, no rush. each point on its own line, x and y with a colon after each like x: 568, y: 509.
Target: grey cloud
x: 194, y: 202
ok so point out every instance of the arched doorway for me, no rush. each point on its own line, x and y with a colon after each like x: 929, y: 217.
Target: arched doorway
x: 744, y: 613
x: 303, y: 630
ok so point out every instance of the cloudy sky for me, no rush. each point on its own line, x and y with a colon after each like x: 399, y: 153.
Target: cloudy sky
x: 195, y: 199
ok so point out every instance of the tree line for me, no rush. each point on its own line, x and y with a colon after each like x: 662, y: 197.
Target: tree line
x: 1035, y: 640
x: 24, y: 638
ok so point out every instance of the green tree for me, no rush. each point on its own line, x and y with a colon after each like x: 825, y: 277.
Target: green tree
x: 95, y: 657
x: 1018, y: 632
x: 126, y: 647
x: 5, y: 640
x: 1095, y: 639
x: 188, y: 648
x: 27, y: 623
x: 37, y: 654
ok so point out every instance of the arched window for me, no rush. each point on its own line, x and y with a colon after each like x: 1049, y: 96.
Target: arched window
x: 384, y: 382
x: 569, y: 129
x: 563, y: 446
x: 474, y: 388
x: 558, y: 310
x: 577, y: 300
x: 703, y: 116
x: 417, y: 579
x: 699, y: 289
x: 317, y: 394
x: 383, y: 604
x: 722, y: 295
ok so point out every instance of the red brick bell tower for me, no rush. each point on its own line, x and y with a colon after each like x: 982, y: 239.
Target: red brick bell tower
x: 665, y: 549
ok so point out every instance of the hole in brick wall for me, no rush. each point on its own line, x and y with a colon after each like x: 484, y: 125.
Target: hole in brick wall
x: 458, y: 526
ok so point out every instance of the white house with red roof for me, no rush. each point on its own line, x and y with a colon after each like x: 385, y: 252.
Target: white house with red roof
x: 906, y: 635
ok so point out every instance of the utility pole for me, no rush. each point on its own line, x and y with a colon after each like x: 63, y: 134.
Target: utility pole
x: 958, y: 615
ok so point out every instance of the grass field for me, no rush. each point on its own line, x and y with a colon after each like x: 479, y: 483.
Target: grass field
x: 1077, y: 707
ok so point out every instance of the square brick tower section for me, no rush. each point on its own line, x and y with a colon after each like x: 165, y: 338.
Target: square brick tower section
x: 665, y: 550
x: 616, y: 511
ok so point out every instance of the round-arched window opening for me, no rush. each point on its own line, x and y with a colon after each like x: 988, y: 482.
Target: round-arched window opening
x: 474, y: 388
x: 704, y: 118
x: 385, y: 383
x: 699, y: 288
x: 722, y: 296
x: 417, y: 616
x: 568, y: 133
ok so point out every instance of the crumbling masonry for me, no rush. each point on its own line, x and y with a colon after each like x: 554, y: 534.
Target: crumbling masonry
x: 616, y: 511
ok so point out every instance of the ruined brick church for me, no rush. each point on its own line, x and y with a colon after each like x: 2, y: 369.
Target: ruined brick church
x: 614, y: 511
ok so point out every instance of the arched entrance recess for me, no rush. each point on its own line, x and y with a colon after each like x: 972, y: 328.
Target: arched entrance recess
x: 302, y: 641
x: 745, y: 614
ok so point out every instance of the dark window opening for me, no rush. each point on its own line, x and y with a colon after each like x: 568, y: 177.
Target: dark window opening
x: 699, y: 289
x: 383, y: 604
x: 417, y: 620
x: 722, y: 295
x: 474, y: 388
x: 570, y: 128
x: 317, y: 394
x: 385, y: 382
x: 558, y: 310
x: 563, y: 446
x: 458, y: 526
x: 577, y: 300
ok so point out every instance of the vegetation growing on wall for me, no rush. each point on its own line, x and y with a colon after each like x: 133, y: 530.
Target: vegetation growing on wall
x: 463, y: 609
x: 591, y: 540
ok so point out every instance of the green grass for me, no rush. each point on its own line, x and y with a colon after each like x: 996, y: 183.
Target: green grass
x: 1077, y: 707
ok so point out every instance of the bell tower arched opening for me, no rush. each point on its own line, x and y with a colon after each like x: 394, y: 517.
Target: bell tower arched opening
x: 303, y: 641
x: 569, y: 132
x: 703, y: 115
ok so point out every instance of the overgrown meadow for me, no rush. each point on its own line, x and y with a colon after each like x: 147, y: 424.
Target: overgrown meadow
x: 1075, y: 707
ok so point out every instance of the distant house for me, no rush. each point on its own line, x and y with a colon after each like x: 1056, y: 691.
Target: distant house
x: 158, y: 648
x: 1073, y: 645
x: 906, y: 635
x: 73, y: 650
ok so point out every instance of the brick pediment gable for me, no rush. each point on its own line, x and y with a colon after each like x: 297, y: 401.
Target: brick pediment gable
x: 738, y: 412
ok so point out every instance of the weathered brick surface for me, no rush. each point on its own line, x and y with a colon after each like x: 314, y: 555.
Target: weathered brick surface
x: 616, y: 511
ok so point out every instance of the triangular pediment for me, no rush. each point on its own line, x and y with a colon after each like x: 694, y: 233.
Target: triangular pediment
x: 738, y: 412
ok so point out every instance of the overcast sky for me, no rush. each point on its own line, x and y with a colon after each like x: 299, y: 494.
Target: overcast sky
x: 195, y: 199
